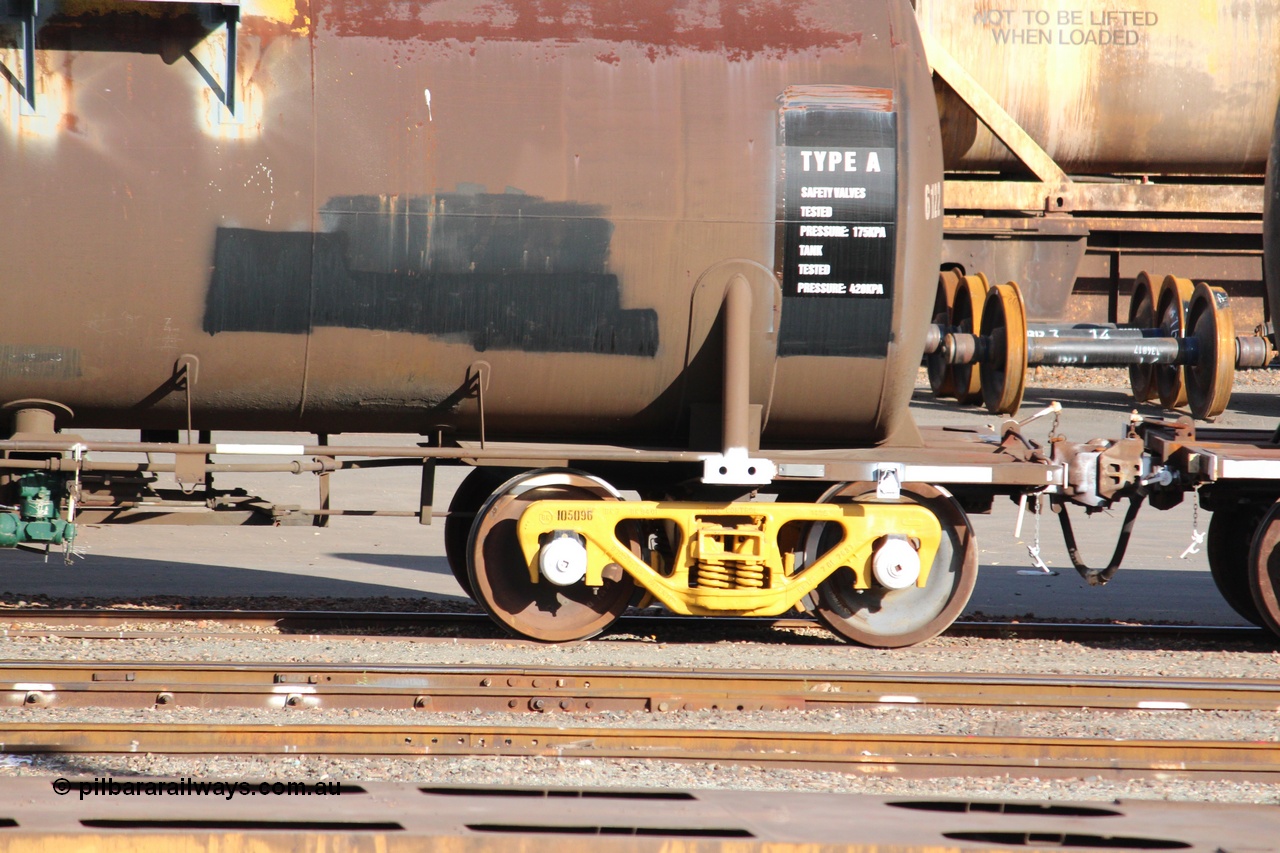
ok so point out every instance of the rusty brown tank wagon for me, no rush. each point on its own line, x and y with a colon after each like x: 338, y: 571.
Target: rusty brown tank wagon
x: 684, y: 253
x: 366, y: 210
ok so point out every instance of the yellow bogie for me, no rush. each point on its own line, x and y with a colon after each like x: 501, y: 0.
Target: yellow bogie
x: 728, y: 560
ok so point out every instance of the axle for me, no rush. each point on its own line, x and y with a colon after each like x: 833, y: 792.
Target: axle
x: 1179, y: 344
x: 1075, y: 346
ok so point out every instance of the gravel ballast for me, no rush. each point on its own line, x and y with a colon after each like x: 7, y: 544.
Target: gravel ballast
x: 808, y: 650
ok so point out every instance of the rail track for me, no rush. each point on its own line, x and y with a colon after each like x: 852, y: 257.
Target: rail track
x: 300, y: 708
x: 123, y: 622
x: 908, y: 755
x: 618, y: 689
x: 281, y: 687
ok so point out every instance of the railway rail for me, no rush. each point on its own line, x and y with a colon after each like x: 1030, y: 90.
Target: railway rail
x: 466, y: 690
x: 106, y: 623
x: 923, y: 755
x: 617, y: 689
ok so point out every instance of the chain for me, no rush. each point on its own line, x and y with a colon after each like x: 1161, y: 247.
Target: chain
x: 73, y: 495
x: 1033, y: 551
x: 1039, y: 506
x: 1196, y: 536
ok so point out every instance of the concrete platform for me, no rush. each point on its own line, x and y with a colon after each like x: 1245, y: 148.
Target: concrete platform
x: 165, y: 815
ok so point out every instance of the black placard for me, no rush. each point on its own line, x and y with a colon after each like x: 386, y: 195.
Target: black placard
x: 838, y: 230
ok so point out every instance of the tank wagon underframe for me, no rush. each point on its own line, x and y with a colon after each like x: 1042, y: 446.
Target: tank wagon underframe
x: 555, y: 554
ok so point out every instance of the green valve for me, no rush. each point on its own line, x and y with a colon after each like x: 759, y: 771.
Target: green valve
x: 38, y: 505
x: 37, y: 518
x: 15, y: 531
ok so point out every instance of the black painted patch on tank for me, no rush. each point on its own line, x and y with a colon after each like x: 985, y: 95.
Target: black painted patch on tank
x: 500, y: 271
x: 837, y: 230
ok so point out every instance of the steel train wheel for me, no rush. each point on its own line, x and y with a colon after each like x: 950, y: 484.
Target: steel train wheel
x: 941, y: 382
x: 966, y: 316
x: 471, y: 494
x: 1230, y: 533
x: 1142, y: 315
x: 1004, y: 371
x: 888, y: 619
x: 1171, y: 317
x: 500, y: 576
x: 1264, y: 569
x: 1210, y: 378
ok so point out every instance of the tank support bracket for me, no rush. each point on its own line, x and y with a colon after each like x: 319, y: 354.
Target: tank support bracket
x: 186, y: 371
x: 231, y: 17
x: 476, y: 381
x: 426, y: 494
x: 993, y: 115
x: 227, y: 12
x: 25, y: 14
x: 29, y: 56
x: 321, y: 519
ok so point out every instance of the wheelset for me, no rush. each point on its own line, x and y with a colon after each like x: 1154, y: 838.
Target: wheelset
x: 883, y: 617
x: 1264, y: 569
x: 543, y: 610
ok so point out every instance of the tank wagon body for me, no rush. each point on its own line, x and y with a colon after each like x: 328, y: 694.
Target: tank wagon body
x: 406, y: 199
x: 1087, y: 142
x: 687, y: 252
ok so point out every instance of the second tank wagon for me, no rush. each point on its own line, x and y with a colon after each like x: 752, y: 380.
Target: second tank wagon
x: 1085, y: 143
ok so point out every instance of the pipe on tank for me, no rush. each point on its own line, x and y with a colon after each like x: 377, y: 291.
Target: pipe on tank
x: 734, y: 466
x: 736, y: 427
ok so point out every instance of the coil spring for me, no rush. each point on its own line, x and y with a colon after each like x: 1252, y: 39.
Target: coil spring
x: 713, y: 576
x: 720, y: 576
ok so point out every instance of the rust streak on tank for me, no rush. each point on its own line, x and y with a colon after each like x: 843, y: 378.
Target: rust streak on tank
x: 738, y: 32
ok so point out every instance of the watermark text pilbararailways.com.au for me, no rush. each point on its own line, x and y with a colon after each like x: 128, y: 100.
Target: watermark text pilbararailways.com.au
x: 188, y: 787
